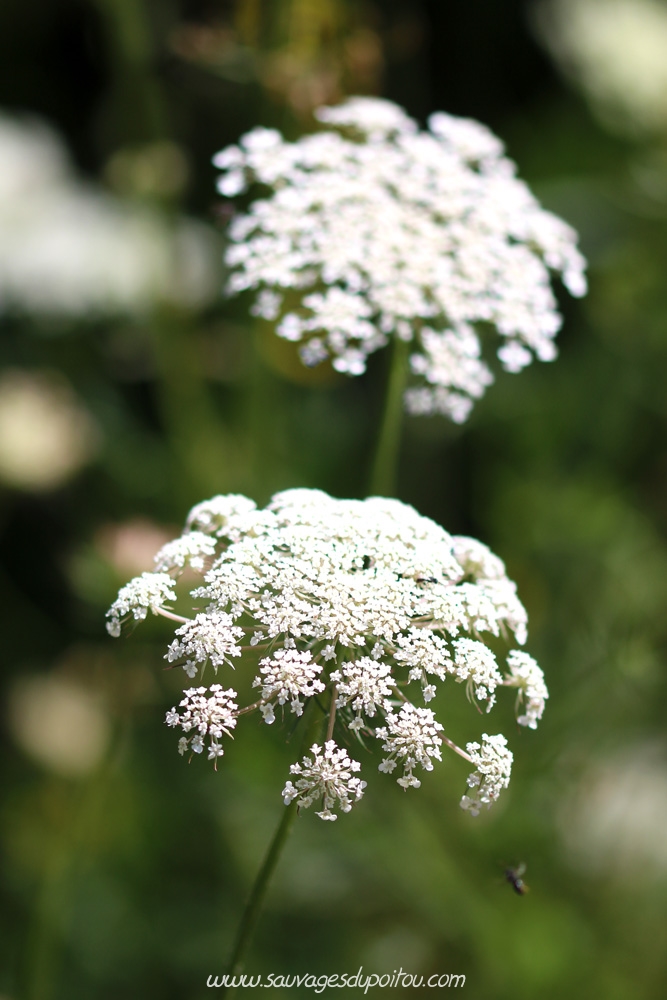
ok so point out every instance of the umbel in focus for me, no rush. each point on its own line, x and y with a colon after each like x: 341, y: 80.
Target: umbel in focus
x: 367, y: 607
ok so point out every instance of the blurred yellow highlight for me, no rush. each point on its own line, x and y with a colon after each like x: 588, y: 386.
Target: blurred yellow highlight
x: 58, y: 723
x: 46, y: 435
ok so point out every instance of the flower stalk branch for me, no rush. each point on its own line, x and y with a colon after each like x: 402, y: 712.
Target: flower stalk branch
x: 332, y: 713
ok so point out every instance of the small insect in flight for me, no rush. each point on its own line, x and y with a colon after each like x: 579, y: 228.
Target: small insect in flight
x: 515, y: 878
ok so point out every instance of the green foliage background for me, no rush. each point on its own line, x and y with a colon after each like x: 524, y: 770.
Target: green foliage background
x: 130, y: 881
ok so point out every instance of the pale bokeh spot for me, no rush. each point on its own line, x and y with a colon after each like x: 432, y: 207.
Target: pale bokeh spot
x: 59, y: 723
x: 46, y: 434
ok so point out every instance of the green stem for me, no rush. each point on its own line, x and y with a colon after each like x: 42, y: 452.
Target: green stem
x: 254, y: 904
x: 261, y: 440
x: 385, y: 464
x: 258, y: 892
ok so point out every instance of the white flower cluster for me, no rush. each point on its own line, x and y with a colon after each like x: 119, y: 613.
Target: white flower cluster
x: 365, y: 685
x: 208, y: 637
x: 493, y: 762
x: 412, y: 736
x: 327, y: 775
x: 210, y: 716
x: 287, y: 674
x: 191, y: 550
x: 475, y: 663
x: 148, y: 591
x: 382, y: 230
x: 525, y: 674
x: 363, y: 607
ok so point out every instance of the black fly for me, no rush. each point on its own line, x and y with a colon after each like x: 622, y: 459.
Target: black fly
x: 515, y: 878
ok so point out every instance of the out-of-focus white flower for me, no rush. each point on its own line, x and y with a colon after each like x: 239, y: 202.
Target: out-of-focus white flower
x: 615, y: 50
x: 46, y: 434
x: 383, y: 230
x: 355, y: 604
x: 69, y: 249
x: 58, y: 722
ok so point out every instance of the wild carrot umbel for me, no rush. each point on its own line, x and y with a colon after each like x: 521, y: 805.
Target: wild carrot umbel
x: 364, y: 606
